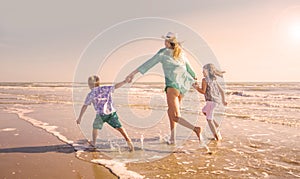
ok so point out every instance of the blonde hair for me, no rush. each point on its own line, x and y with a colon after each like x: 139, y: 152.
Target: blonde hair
x: 176, y: 48
x: 95, y: 80
x: 212, y: 71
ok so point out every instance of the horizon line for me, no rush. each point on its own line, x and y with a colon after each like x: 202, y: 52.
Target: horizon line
x: 145, y: 82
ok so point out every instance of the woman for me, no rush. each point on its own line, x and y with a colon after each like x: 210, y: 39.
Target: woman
x: 179, y: 77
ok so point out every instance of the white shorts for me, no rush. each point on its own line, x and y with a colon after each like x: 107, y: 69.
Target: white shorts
x: 208, y: 109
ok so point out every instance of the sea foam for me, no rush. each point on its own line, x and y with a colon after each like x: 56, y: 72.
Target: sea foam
x: 117, y: 168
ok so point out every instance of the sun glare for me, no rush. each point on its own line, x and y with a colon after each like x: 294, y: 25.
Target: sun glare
x: 294, y: 31
x: 288, y: 25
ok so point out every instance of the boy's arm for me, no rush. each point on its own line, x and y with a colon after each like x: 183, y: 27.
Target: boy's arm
x: 118, y: 85
x: 83, y: 109
x: 222, y: 94
x: 201, y: 90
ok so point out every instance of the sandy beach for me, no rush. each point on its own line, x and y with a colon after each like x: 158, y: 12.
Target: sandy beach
x: 40, y: 139
x: 249, y: 149
x: 30, y: 152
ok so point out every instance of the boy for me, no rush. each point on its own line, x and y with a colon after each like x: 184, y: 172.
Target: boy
x: 101, y: 98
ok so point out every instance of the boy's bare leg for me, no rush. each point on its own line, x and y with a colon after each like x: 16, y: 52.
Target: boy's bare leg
x: 95, y: 134
x: 128, y: 140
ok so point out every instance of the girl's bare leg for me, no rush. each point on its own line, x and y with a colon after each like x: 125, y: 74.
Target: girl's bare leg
x: 213, y: 129
x: 216, y: 124
x: 173, y: 100
x: 218, y: 130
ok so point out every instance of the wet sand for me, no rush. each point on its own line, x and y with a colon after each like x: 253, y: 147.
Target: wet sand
x: 29, y: 152
x: 249, y: 149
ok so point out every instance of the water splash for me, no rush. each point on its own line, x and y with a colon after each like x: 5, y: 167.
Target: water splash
x: 111, y: 145
x: 142, y: 142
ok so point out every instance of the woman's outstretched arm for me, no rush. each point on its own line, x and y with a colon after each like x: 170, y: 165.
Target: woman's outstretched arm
x: 190, y: 70
x: 146, y: 66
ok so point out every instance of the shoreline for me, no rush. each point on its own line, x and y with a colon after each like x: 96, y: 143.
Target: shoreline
x: 249, y: 149
x: 27, y: 151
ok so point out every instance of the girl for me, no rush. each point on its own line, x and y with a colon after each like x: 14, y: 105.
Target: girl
x: 213, y: 94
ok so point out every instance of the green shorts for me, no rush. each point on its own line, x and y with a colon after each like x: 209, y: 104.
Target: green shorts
x: 112, y: 119
x: 166, y: 88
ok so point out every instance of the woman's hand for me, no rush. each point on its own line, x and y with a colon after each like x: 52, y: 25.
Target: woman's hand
x: 129, y: 79
x: 195, y: 85
x: 78, y: 121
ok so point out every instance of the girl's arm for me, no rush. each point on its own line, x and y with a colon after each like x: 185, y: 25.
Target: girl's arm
x: 201, y: 90
x: 222, y: 94
x: 83, y: 109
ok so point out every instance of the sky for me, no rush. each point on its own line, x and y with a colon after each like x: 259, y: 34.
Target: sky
x: 252, y: 40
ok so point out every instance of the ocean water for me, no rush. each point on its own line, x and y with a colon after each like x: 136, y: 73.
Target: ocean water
x: 277, y: 103
x: 142, y: 111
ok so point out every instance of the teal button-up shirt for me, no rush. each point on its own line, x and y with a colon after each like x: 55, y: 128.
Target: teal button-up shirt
x: 178, y: 73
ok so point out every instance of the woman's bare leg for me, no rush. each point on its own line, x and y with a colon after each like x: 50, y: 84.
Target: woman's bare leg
x: 173, y: 100
x: 172, y: 122
x: 172, y: 127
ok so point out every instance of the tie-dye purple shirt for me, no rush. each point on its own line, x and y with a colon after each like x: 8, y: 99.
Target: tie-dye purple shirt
x: 102, y: 100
